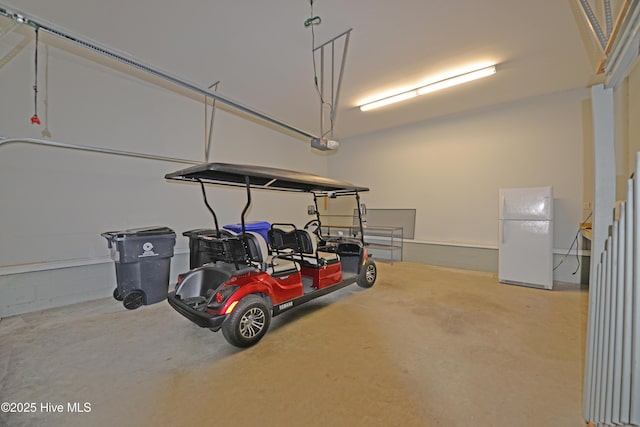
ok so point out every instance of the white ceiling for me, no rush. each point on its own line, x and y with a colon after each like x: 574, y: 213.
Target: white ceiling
x: 261, y: 51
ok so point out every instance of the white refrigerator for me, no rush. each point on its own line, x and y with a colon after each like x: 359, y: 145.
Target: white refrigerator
x: 525, y: 255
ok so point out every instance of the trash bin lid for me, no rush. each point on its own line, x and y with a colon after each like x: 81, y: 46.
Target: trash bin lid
x: 139, y: 232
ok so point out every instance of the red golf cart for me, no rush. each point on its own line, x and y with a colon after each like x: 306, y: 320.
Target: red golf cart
x: 248, y: 278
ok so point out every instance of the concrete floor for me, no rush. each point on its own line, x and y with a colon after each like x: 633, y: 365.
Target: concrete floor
x: 426, y: 346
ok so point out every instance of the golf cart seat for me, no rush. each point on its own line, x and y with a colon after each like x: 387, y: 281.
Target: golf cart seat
x: 323, y: 257
x: 259, y: 252
x: 300, y: 245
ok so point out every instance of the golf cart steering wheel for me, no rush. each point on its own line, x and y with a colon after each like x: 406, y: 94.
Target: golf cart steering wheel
x: 314, y: 227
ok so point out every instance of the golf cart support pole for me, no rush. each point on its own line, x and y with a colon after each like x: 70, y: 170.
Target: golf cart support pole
x: 360, y: 217
x: 246, y: 207
x: 206, y: 202
x: 315, y: 202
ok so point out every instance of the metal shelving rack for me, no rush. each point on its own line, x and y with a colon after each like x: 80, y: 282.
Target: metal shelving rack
x: 378, y: 239
x: 385, y: 239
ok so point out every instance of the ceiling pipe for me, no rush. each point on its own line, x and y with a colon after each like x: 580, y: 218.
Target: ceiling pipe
x: 23, y: 18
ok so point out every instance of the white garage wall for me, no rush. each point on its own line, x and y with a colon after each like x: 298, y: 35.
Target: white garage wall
x: 55, y: 202
x: 450, y: 170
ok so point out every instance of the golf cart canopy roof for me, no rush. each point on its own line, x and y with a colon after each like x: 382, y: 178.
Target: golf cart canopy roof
x: 264, y: 178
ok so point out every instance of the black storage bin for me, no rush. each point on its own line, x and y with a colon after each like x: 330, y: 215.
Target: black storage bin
x: 143, y: 261
x: 199, y: 253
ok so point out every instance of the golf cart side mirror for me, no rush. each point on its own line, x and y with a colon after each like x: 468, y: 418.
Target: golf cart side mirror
x: 311, y: 210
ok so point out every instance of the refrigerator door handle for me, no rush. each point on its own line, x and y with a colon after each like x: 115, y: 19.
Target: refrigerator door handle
x: 501, y: 231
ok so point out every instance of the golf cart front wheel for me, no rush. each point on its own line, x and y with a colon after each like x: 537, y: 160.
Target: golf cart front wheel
x: 368, y: 275
x: 248, y: 322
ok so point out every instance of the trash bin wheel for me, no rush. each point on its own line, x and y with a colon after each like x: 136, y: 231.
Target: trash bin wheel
x: 117, y: 295
x: 133, y: 300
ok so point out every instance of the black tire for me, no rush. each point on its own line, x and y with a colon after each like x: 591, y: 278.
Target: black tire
x: 248, y: 322
x: 368, y: 275
x: 133, y: 300
x: 117, y: 295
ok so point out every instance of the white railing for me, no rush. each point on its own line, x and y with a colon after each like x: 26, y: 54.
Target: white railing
x: 612, y: 365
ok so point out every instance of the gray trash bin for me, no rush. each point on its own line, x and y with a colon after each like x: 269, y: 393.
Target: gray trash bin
x: 143, y: 261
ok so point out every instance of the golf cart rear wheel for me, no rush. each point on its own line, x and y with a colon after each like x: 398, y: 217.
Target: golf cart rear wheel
x: 133, y: 300
x: 248, y: 322
x: 368, y: 275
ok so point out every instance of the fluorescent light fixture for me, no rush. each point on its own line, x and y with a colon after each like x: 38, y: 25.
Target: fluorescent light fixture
x: 431, y: 87
x: 389, y: 100
x: 457, y: 80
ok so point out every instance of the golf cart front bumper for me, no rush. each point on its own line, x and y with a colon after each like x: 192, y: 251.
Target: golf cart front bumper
x: 200, y: 318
